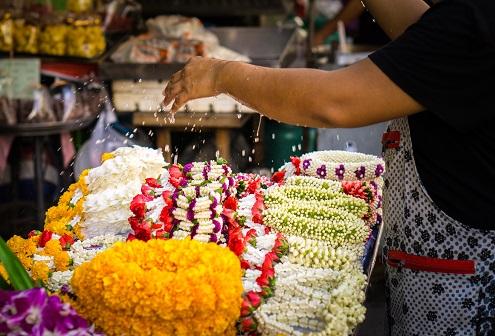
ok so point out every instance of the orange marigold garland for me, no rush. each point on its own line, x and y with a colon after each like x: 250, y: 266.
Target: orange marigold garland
x: 173, y: 287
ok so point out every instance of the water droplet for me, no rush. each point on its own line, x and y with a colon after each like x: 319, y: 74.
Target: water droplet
x: 253, y: 151
x: 250, y: 159
x: 293, y: 148
x: 140, y: 80
x: 299, y: 146
x: 362, y: 3
x: 273, y: 135
x: 272, y: 170
x: 239, y: 116
x: 167, y: 148
x: 217, y: 154
x: 194, y: 147
x: 257, y: 139
x: 243, y: 153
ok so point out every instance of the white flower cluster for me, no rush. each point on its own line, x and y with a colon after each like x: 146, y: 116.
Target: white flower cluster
x: 335, y: 226
x: 80, y: 252
x: 199, y: 204
x: 112, y: 186
x: 328, y: 302
x: 314, y: 253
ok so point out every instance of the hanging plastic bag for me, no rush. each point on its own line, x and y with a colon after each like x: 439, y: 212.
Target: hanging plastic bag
x: 41, y: 110
x: 107, y: 136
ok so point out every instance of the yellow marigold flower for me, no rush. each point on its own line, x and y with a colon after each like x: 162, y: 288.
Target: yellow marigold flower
x: 52, y: 248
x: 3, y: 273
x: 62, y: 261
x: 40, y: 271
x: 173, y: 287
x: 107, y: 156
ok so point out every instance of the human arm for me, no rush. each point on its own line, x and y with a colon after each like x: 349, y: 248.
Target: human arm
x: 351, y: 11
x: 354, y: 96
x: 395, y: 16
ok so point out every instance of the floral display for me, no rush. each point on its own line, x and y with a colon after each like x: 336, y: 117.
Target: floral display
x: 178, y: 287
x: 34, y: 312
x: 140, y: 247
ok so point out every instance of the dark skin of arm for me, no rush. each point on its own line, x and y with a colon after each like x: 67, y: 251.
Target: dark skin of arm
x: 355, y: 96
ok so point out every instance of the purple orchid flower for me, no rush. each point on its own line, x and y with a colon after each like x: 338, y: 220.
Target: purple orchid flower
x: 306, y: 163
x: 322, y: 171
x: 360, y: 172
x: 340, y: 171
x: 379, y: 170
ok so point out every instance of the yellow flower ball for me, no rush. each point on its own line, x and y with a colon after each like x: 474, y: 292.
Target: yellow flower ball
x: 173, y: 287
x: 40, y: 271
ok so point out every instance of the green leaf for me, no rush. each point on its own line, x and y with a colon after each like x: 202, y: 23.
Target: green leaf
x: 18, y: 276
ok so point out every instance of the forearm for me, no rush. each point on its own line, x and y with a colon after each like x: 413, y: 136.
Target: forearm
x: 293, y: 96
x: 395, y: 16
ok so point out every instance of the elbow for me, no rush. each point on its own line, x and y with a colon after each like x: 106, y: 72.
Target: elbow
x: 332, y: 117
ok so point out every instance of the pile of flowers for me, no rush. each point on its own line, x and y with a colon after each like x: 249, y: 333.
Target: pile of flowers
x: 161, y: 287
x: 90, y: 213
x: 326, y: 203
x: 196, y: 249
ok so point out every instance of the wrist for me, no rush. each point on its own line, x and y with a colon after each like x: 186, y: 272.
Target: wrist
x: 222, y: 75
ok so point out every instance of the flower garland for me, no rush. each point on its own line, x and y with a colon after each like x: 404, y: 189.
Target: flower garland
x: 34, y: 312
x: 328, y: 302
x: 336, y: 165
x: 178, y: 287
x: 335, y: 226
x: 314, y: 253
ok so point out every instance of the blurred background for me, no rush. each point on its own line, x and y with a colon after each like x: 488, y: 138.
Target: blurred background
x: 82, y: 77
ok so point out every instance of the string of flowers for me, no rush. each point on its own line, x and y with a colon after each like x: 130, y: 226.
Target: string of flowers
x: 173, y: 287
x: 314, y: 253
x: 335, y: 226
x: 328, y: 302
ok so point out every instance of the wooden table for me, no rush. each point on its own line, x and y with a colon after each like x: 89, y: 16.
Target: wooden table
x: 220, y: 123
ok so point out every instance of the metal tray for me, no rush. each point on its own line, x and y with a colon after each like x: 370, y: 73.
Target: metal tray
x: 266, y: 46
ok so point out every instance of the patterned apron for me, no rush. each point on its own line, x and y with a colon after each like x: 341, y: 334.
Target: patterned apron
x: 440, y: 273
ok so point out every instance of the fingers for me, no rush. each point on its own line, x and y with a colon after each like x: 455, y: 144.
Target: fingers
x: 170, y: 93
x: 180, y: 100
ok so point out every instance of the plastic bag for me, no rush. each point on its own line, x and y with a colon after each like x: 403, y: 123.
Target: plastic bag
x: 107, y: 136
x: 8, y: 114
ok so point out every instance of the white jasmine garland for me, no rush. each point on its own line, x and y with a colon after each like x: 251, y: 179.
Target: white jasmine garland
x: 328, y: 302
x: 341, y: 165
x: 332, y: 225
x: 314, y: 253
x: 59, y: 279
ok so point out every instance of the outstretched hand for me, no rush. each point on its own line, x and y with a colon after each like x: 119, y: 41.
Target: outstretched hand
x: 199, y: 78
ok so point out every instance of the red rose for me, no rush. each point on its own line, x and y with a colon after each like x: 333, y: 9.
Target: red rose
x: 146, y: 190
x: 296, y: 162
x: 165, y: 216
x: 248, y: 324
x: 236, y: 241
x: 131, y: 237
x: 66, y: 241
x: 254, y: 186
x: 153, y: 182
x: 167, y: 197
x: 161, y: 234
x: 263, y: 280
x: 44, y: 238
x: 245, y: 264
x: 258, y: 218
x: 138, y: 205
x: 134, y: 222
x: 176, y: 181
x: 246, y: 308
x: 143, y: 233
x: 254, y: 298
x: 175, y: 171
x: 278, y: 177
x: 230, y: 203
